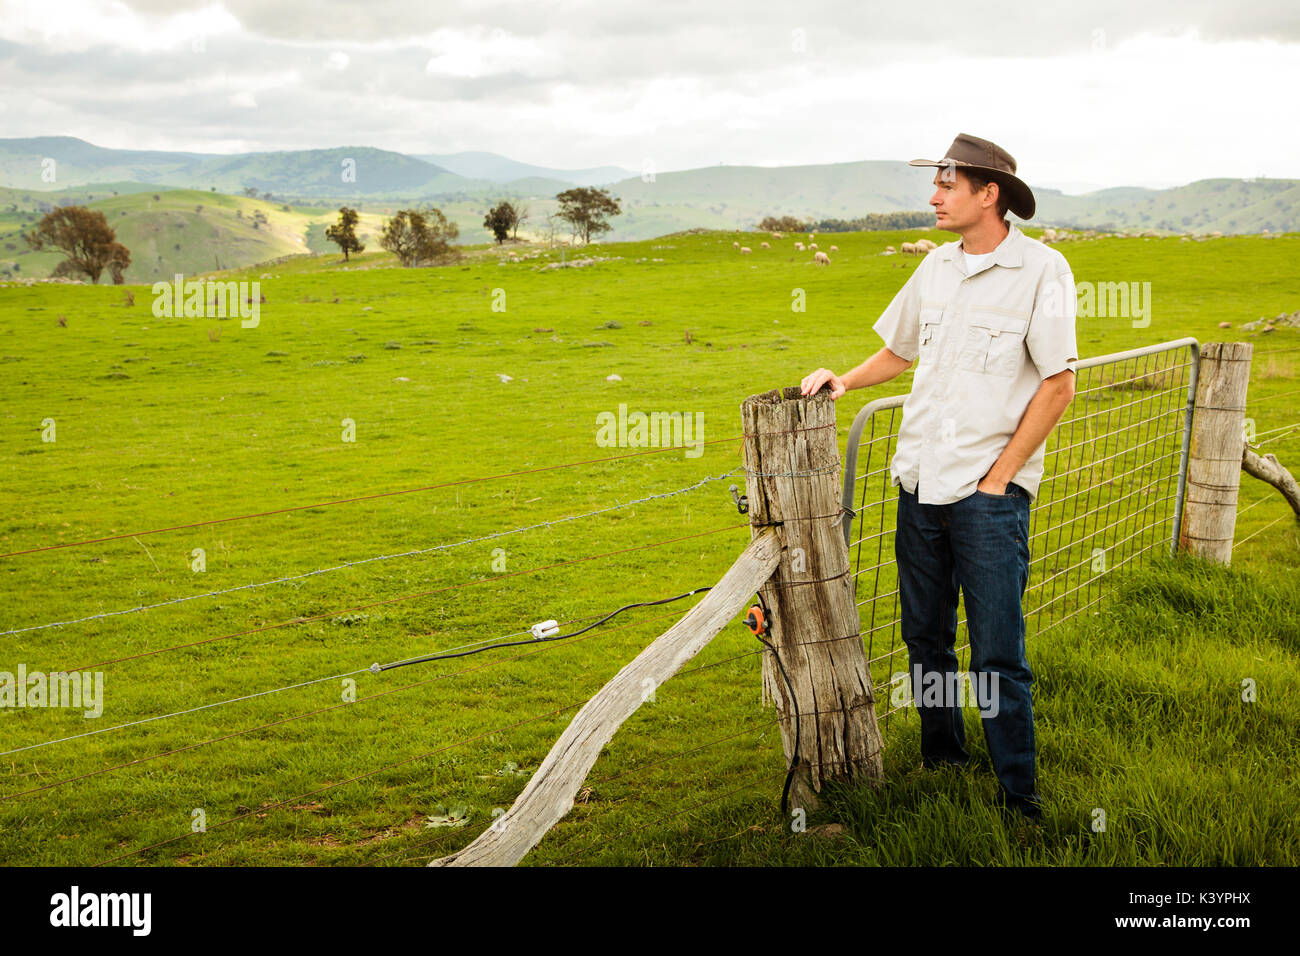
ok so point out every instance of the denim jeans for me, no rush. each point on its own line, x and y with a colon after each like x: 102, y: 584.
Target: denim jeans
x: 980, y: 544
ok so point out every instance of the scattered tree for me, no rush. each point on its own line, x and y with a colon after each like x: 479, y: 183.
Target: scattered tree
x: 344, y: 232
x: 86, y: 238
x: 783, y: 224
x: 500, y: 220
x: 875, y: 221
x: 585, y: 210
x: 417, y: 236
x: 118, y: 260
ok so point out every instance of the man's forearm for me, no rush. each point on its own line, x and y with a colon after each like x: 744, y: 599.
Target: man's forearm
x: 881, y: 367
x: 1044, y: 411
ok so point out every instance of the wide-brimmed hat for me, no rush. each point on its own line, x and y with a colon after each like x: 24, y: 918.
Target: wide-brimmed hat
x: 991, y: 162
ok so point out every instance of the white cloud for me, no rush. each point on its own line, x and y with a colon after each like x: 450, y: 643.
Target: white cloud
x: 73, y: 26
x: 1146, y: 100
x: 479, y: 52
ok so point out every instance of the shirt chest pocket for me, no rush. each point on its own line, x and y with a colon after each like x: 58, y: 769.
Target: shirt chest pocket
x: 929, y: 335
x: 994, y: 343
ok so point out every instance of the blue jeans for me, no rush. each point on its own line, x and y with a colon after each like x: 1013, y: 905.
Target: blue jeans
x: 980, y: 544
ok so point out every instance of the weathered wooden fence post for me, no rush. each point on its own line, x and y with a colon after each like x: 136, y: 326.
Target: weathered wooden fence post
x: 792, y: 458
x: 1214, y: 462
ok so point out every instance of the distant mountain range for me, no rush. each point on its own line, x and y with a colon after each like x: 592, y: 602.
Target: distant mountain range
x: 501, y: 169
x: 722, y: 197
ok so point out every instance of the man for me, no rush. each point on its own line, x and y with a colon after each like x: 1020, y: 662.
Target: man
x: 989, y: 320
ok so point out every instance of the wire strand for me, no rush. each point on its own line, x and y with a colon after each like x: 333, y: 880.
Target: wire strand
x: 382, y: 557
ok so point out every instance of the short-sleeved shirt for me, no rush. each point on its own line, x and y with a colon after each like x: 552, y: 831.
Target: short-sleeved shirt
x: 983, y: 344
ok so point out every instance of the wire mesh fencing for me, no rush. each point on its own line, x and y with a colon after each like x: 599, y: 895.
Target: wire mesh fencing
x: 1114, y: 475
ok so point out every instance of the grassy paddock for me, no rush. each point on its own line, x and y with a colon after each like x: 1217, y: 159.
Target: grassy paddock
x: 163, y: 422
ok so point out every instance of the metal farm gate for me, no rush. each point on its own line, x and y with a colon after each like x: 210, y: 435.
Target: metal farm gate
x: 1115, y: 471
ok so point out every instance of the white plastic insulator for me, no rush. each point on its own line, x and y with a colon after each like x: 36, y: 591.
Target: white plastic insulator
x: 546, y: 629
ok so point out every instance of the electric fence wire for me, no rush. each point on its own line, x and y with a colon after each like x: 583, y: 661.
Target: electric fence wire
x: 308, y: 683
x: 1285, y: 429
x: 362, y: 561
x: 404, y: 597
x: 344, y: 501
x: 389, y: 494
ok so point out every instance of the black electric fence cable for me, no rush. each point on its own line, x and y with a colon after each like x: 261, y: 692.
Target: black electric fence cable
x: 377, y: 668
x: 794, y: 702
x: 404, y: 597
x: 274, y: 723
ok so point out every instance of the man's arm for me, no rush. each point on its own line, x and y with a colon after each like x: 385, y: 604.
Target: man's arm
x: 1045, y: 410
x: 881, y: 367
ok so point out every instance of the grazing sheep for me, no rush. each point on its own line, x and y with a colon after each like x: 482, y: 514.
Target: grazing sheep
x: 810, y: 235
x: 745, y: 250
x: 925, y: 245
x: 822, y: 259
x: 799, y: 246
x: 778, y: 235
x: 910, y: 249
x: 812, y: 245
x: 764, y: 245
x: 735, y: 245
x: 835, y: 248
x: 890, y: 249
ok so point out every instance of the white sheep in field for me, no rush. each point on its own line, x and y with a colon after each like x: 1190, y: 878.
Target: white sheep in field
x: 890, y: 249
x: 764, y: 245
x: 812, y: 245
x: 909, y: 249
x: 925, y: 245
x: 799, y: 246
x: 745, y: 250
x: 810, y: 236
x: 835, y: 248
x: 778, y: 235
x: 735, y: 245
x: 822, y: 259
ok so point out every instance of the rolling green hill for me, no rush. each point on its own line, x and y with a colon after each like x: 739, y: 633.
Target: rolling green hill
x: 170, y: 234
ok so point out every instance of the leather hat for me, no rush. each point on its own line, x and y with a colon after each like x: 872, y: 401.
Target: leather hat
x: 991, y: 162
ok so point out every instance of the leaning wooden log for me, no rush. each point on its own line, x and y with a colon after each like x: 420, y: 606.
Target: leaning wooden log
x: 548, y: 797
x: 1267, y: 468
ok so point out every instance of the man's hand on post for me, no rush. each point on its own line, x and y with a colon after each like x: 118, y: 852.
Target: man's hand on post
x: 813, y: 383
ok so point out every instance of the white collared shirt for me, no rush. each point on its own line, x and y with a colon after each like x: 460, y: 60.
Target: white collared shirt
x: 983, y: 344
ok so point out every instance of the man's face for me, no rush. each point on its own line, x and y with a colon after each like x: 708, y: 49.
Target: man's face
x: 956, y: 206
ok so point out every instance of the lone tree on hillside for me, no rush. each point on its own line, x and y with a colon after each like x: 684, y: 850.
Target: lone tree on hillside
x: 585, y: 210
x: 417, y: 236
x: 344, y: 232
x: 500, y: 220
x: 86, y: 238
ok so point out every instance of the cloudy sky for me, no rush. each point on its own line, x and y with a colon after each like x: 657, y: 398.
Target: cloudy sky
x: 1158, y: 92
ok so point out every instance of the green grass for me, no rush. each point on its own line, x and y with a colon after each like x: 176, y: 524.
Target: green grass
x: 158, y: 424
